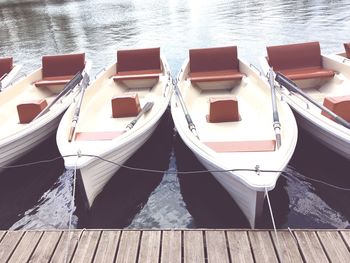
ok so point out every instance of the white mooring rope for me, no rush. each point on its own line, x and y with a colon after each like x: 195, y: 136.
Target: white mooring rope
x: 278, y: 247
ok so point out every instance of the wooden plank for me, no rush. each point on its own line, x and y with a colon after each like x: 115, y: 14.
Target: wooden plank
x: 310, y: 246
x: 171, y: 247
x: 287, y: 246
x: 346, y: 237
x: 216, y: 246
x: 262, y: 246
x: 66, y: 246
x: 334, y: 245
x: 26, y: 246
x: 128, y: 247
x: 9, y: 243
x: 239, y: 246
x: 86, y: 246
x: 46, y: 246
x: 193, y: 246
x: 107, y: 247
x: 150, y: 246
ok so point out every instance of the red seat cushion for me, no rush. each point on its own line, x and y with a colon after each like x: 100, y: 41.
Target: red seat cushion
x: 138, y: 60
x: 62, y: 65
x: 6, y: 65
x: 340, y: 105
x: 347, y: 49
x: 298, y: 61
x: 213, y: 64
x: 125, y: 106
x: 223, y: 109
x: 28, y: 110
x: 60, y: 69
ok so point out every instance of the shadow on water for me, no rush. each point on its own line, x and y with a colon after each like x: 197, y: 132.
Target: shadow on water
x: 314, y: 160
x: 207, y: 201
x: 22, y: 187
x: 128, y: 191
x: 298, y: 202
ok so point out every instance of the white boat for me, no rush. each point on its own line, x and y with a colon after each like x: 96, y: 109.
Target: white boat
x: 322, y: 79
x: 21, y: 103
x: 8, y: 71
x: 140, y: 77
x: 230, y: 105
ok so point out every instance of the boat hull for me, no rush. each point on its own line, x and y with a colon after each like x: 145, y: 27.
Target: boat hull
x: 92, y: 178
x: 13, y: 149
x: 249, y: 201
x: 334, y: 142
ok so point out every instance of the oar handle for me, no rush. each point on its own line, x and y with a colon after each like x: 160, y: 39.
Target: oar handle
x: 276, y: 122
x: 291, y: 86
x: 190, y: 123
x: 84, y: 84
x: 148, y: 106
x: 71, y: 132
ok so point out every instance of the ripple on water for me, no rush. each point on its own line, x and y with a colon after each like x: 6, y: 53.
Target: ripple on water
x: 307, y: 208
x: 53, y: 209
x: 165, y: 207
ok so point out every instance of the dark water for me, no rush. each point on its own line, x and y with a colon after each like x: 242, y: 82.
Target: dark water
x: 40, y: 196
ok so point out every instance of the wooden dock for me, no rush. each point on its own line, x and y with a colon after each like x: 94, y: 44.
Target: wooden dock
x: 175, y: 246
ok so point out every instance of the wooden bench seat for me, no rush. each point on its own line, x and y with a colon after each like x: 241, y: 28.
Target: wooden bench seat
x: 340, y: 105
x: 242, y: 146
x: 6, y: 65
x: 138, y: 64
x: 214, y: 64
x: 60, y: 69
x: 298, y: 61
x: 59, y: 80
x: 217, y: 75
x: 307, y: 73
x: 137, y: 74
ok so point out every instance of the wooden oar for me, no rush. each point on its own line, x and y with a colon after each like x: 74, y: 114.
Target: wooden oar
x: 291, y: 86
x: 144, y: 110
x: 276, y: 122
x: 78, y: 106
x: 2, y: 77
x: 190, y: 123
x: 67, y: 88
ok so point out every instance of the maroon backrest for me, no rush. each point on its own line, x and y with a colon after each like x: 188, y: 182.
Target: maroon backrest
x: 295, y: 56
x: 6, y: 65
x: 347, y: 49
x: 138, y: 59
x: 62, y: 65
x: 213, y: 59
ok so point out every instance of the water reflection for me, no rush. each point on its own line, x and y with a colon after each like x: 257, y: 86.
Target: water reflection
x: 31, y: 29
